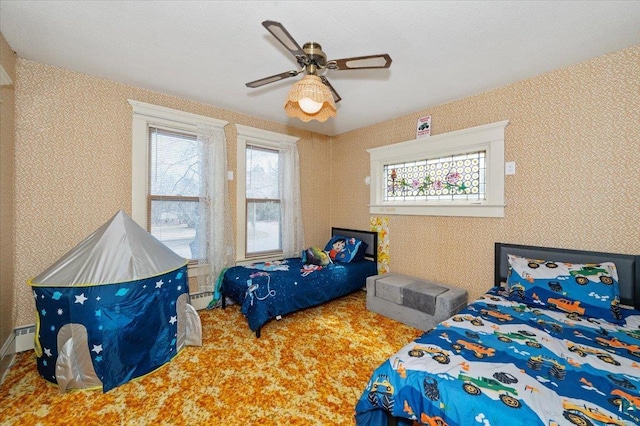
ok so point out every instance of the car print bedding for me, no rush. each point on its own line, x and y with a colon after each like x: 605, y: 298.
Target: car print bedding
x: 267, y: 290
x: 525, y: 353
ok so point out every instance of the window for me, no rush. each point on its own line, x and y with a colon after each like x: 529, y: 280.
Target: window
x: 262, y: 201
x: 455, y: 177
x: 167, y: 157
x: 454, y: 174
x: 268, y: 197
x: 174, y: 188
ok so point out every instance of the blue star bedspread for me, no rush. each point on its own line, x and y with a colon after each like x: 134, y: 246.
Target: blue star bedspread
x: 267, y: 290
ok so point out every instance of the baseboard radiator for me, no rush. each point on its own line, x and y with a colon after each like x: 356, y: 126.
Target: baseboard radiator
x: 20, y: 340
x: 200, y: 300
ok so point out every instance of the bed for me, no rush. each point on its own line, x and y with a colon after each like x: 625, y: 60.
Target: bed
x: 268, y: 290
x: 551, y: 343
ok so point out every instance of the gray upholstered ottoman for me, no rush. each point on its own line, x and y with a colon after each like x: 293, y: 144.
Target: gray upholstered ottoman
x: 412, y: 301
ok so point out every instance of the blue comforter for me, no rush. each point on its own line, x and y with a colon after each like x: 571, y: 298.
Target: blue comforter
x: 499, y: 362
x: 267, y: 290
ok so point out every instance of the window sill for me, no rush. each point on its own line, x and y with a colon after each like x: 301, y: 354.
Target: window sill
x: 250, y: 260
x: 475, y: 210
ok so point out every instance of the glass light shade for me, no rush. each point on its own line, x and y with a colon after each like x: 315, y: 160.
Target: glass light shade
x: 311, y: 88
x: 309, y: 106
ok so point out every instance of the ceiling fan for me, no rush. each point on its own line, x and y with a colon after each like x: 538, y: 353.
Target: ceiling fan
x: 311, y: 60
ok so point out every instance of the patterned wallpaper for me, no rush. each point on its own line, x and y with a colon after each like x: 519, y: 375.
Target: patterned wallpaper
x: 575, y: 137
x: 73, y: 164
x: 573, y: 134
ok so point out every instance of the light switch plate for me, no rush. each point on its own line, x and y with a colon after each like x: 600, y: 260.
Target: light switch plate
x: 510, y: 168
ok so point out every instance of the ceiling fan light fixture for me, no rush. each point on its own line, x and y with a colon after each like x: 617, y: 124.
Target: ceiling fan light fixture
x: 310, y: 99
x: 309, y: 106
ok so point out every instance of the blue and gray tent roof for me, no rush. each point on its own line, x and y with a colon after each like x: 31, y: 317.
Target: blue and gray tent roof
x: 118, y: 251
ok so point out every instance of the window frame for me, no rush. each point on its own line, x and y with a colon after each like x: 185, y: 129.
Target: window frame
x: 248, y: 201
x: 250, y: 136
x: 177, y: 198
x: 145, y: 115
x: 488, y: 138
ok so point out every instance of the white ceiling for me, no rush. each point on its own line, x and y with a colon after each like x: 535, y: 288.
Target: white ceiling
x: 207, y: 50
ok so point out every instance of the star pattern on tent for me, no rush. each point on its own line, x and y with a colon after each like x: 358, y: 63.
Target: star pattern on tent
x: 43, y: 313
x: 98, y: 358
x: 81, y: 299
x: 173, y: 320
x: 159, y: 284
x: 47, y: 352
x: 60, y: 311
x: 97, y: 349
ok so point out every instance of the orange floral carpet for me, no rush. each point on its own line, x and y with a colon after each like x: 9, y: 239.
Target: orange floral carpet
x: 309, y: 368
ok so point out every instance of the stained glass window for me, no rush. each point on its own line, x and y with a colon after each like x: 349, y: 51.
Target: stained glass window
x: 451, y: 178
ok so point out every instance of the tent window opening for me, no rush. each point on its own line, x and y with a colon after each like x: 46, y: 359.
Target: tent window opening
x: 174, y: 186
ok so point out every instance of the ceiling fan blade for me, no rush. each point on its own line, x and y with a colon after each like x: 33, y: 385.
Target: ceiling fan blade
x: 336, y: 97
x: 361, y: 62
x: 272, y: 79
x: 283, y: 36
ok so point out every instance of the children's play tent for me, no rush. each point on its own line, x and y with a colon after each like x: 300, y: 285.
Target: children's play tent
x: 113, y: 308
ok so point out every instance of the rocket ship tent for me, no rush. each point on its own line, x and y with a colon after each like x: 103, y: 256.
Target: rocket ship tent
x: 113, y: 308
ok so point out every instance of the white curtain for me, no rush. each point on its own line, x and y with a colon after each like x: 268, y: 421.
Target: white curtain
x: 292, y: 228
x: 215, y: 234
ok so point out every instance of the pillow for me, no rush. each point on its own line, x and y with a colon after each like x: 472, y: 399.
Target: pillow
x: 576, y: 289
x: 315, y: 256
x: 362, y: 249
x: 345, y: 249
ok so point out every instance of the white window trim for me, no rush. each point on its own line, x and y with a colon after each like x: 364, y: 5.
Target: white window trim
x: 145, y: 115
x: 258, y: 137
x: 5, y: 80
x: 489, y: 138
